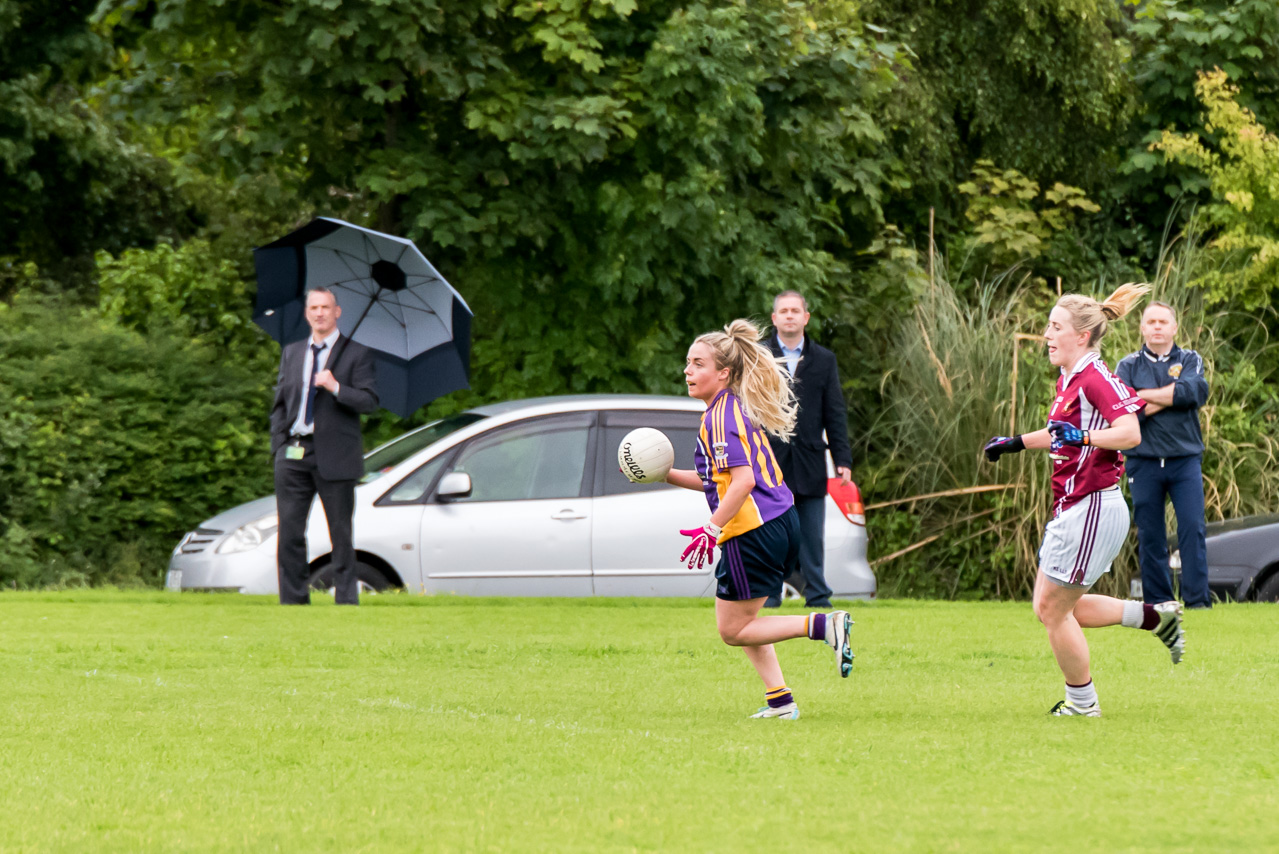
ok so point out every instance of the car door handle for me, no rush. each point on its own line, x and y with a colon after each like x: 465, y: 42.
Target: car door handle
x: 567, y: 516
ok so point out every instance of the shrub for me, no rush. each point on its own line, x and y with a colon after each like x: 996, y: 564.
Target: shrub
x: 1012, y: 220
x: 113, y: 443
x: 188, y: 290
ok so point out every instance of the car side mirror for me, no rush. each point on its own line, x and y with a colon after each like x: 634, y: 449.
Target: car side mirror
x: 454, y: 485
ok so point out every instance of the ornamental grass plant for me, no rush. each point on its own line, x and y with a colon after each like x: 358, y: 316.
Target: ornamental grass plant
x: 969, y: 365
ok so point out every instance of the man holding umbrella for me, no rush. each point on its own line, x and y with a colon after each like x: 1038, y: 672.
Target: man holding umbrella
x: 406, y: 340
x: 325, y: 382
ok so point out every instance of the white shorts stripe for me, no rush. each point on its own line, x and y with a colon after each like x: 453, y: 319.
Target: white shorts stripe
x: 1083, y: 541
x: 1088, y: 540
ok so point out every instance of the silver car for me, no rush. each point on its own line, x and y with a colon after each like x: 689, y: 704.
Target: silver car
x: 522, y: 498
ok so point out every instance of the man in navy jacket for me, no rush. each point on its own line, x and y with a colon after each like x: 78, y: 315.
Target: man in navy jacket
x: 1168, y: 462
x: 823, y: 422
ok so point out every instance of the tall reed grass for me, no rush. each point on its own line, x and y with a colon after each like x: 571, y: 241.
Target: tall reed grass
x: 968, y: 367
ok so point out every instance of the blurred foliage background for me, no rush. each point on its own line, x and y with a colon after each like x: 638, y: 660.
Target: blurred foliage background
x: 603, y: 180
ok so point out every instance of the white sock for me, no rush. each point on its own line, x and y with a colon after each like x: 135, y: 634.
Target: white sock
x: 1082, y: 695
x: 1133, y: 614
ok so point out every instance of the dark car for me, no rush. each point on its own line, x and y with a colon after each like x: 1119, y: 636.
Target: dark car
x: 1243, y: 558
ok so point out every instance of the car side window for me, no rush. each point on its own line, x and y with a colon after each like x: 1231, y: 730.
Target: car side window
x: 680, y: 427
x: 414, y: 487
x: 545, y: 458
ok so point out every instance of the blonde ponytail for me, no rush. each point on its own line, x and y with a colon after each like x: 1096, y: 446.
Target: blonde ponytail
x: 1088, y: 315
x: 1123, y: 299
x: 755, y: 376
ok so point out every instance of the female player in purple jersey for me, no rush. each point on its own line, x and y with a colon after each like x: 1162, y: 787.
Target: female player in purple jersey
x: 1093, y: 418
x: 753, y: 519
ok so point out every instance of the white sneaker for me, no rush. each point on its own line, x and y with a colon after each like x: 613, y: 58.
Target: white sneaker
x: 1169, y: 629
x: 838, y: 625
x: 788, y: 712
x: 1065, y: 708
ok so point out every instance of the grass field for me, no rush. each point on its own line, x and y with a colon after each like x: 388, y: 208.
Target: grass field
x: 159, y: 722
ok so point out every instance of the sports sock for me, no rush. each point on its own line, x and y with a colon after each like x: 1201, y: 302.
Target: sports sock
x: 1138, y: 615
x: 1149, y: 618
x: 1082, y: 695
x: 817, y: 627
x: 778, y: 697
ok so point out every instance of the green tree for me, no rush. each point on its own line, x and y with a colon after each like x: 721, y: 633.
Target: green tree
x: 1173, y: 41
x: 70, y: 183
x: 1242, y: 168
x: 1011, y: 219
x: 601, y: 181
x: 187, y: 291
x: 1033, y: 85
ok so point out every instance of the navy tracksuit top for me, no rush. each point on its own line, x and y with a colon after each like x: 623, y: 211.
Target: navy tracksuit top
x: 1173, y: 432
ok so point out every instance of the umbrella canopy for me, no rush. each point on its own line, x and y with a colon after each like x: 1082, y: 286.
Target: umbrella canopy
x: 393, y: 301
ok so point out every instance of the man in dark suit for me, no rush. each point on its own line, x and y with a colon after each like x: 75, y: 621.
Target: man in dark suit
x: 815, y: 379
x: 325, y: 382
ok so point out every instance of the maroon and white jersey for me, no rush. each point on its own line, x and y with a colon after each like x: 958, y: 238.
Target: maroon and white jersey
x: 1091, y: 398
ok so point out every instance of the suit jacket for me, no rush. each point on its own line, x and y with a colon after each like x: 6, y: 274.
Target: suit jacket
x: 339, y: 447
x: 821, y: 407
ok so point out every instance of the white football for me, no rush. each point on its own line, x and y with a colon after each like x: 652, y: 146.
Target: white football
x: 645, y: 455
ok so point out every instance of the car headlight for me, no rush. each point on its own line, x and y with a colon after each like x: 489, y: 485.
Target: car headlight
x: 250, y: 536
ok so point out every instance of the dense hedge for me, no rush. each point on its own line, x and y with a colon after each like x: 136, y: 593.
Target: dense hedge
x: 112, y: 444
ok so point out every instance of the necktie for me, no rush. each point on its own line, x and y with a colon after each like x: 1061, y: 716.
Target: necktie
x: 310, y: 390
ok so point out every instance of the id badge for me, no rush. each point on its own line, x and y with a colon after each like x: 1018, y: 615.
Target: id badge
x: 294, y: 452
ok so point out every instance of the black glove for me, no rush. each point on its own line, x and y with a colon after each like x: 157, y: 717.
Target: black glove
x: 1001, y: 445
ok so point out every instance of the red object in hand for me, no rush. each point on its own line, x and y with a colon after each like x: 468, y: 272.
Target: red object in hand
x: 849, y: 500
x: 702, y: 549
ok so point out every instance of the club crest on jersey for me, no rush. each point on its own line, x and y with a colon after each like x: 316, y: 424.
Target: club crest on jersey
x: 1174, y: 371
x: 721, y: 453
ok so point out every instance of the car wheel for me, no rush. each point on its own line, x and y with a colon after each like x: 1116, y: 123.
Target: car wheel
x: 1269, y: 589
x: 371, y: 581
x: 790, y: 592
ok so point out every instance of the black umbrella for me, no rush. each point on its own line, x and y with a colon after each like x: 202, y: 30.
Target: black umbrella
x: 393, y: 301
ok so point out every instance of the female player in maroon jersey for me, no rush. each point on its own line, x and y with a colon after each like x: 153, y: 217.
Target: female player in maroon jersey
x: 753, y: 519
x: 1092, y: 419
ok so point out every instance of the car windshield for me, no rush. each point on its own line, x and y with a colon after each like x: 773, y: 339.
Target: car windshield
x: 398, y: 450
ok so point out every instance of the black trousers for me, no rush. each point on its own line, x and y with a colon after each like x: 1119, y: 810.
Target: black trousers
x: 296, y: 484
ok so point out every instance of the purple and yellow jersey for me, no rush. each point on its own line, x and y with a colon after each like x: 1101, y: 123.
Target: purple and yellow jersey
x: 727, y: 440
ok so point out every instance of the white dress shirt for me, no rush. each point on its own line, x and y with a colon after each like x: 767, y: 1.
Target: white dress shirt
x: 300, y: 427
x: 792, y: 357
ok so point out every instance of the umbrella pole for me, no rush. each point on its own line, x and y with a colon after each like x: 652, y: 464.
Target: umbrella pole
x: 355, y: 327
